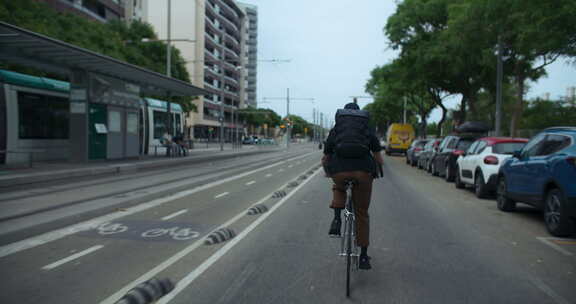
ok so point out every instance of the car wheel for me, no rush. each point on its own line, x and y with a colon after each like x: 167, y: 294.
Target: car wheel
x: 480, y: 186
x: 503, y: 202
x: 433, y: 169
x: 556, y: 218
x: 457, y: 181
x: 448, y: 177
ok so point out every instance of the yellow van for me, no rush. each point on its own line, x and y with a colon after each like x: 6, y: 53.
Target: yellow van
x: 398, y: 138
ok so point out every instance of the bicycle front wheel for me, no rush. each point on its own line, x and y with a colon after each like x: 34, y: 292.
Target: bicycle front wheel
x: 348, y: 255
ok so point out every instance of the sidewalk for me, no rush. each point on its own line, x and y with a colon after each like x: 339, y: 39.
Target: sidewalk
x: 50, y: 171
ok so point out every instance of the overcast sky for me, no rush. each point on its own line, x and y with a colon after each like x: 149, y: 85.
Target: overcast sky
x: 333, y: 45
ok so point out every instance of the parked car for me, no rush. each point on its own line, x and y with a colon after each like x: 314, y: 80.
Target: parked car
x: 414, y: 151
x: 267, y: 141
x: 424, y: 161
x: 480, y: 164
x: 452, y: 146
x: 543, y: 174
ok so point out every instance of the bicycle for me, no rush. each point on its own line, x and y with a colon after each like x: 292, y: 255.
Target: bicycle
x: 349, y: 249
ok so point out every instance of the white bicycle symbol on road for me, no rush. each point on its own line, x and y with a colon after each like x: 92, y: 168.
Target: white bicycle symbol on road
x: 177, y: 233
x: 111, y: 228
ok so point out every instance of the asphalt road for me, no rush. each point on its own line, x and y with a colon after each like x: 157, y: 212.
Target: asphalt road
x: 431, y: 243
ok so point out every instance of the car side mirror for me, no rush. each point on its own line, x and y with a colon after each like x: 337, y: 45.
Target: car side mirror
x: 517, y: 154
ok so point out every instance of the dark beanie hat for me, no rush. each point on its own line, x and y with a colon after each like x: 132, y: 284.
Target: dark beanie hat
x: 352, y: 106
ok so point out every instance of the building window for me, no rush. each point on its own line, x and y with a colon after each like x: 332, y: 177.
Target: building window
x: 43, y: 116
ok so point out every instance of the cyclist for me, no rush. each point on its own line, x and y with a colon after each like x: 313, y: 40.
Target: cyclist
x: 352, y: 150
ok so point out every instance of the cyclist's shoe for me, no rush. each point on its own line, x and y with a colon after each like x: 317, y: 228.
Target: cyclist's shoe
x: 335, y: 228
x: 364, y: 262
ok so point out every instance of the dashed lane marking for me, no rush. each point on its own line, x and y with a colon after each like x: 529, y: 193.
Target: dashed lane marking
x: 72, y: 257
x: 188, y: 279
x: 221, y: 195
x: 175, y: 214
x: 548, y: 290
x: 250, y: 183
x: 280, y: 170
x: 90, y: 224
x: 178, y: 256
x: 552, y: 243
x: 268, y: 175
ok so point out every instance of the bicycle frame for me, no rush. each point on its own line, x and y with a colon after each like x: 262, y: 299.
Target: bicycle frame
x: 349, y: 234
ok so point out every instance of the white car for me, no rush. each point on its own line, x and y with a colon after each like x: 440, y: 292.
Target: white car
x: 480, y: 164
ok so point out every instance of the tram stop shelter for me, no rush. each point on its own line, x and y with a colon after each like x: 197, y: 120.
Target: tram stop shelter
x: 104, y: 94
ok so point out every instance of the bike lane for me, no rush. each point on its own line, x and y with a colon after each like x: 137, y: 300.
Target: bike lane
x: 115, y: 253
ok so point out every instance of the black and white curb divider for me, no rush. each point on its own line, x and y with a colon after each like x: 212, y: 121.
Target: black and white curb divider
x: 147, y: 292
x: 293, y: 184
x: 279, y: 194
x: 219, y: 236
x: 257, y: 209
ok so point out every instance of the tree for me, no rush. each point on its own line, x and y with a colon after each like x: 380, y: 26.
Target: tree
x: 534, y: 34
x: 116, y: 39
x: 418, y: 29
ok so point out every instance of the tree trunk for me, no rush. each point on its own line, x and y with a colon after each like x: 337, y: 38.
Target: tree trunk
x: 519, y: 103
x: 462, y: 113
x: 441, y: 122
x: 472, y: 102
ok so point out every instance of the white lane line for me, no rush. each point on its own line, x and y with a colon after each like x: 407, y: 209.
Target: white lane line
x: 547, y: 290
x: 175, y: 258
x: 547, y: 241
x: 91, y: 224
x: 268, y: 175
x: 221, y: 195
x: 175, y: 214
x: 280, y: 170
x: 72, y: 257
x: 250, y: 183
x: 188, y: 279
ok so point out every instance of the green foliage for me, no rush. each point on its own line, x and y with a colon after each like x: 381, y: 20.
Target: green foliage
x: 541, y: 114
x: 298, y: 125
x: 259, y: 117
x: 448, y: 47
x: 116, y: 39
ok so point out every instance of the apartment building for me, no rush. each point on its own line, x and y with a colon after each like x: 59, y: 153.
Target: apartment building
x: 251, y: 56
x: 136, y: 10
x: 97, y: 10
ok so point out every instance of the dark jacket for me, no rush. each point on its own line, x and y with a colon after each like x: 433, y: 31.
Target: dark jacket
x: 334, y: 164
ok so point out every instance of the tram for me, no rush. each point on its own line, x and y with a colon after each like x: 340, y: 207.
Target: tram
x: 35, y: 119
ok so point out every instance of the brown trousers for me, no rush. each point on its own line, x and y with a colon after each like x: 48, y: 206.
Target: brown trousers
x: 360, y: 195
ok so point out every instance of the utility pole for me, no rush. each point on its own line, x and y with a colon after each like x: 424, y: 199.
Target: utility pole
x: 321, y: 126
x: 404, y: 119
x: 287, y: 98
x: 499, y: 72
x: 169, y: 64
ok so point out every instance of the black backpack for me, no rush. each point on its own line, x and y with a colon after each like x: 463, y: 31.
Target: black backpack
x: 352, y: 136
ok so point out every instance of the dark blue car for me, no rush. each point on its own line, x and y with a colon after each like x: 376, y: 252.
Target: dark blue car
x: 543, y: 174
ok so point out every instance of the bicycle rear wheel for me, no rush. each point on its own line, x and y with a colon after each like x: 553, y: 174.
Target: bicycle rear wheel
x: 348, y: 255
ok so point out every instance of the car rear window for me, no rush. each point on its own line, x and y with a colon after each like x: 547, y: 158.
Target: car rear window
x: 464, y: 143
x: 507, y: 148
x: 421, y: 143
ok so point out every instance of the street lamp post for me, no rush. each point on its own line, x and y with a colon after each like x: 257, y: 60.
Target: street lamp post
x: 499, y: 72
